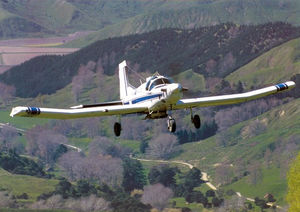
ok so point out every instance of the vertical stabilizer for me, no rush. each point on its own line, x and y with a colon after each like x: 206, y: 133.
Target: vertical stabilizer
x: 125, y: 88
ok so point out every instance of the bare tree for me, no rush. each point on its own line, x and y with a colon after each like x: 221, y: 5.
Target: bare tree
x: 105, y: 169
x: 90, y: 203
x: 43, y: 143
x: 223, y: 174
x: 162, y: 146
x: 8, y: 139
x: 6, y: 200
x: 234, y: 204
x: 255, y: 128
x: 230, y: 116
x: 157, y: 195
x: 83, y: 78
x: 133, y: 128
x: 6, y: 92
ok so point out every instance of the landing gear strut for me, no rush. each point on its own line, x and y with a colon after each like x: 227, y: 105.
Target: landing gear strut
x: 171, y: 124
x: 195, y: 120
x: 117, y: 129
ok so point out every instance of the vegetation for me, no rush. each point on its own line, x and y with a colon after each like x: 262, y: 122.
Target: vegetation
x: 51, y: 17
x: 211, y: 51
x: 293, y: 185
x: 12, y: 162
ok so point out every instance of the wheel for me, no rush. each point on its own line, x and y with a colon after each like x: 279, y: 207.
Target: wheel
x: 171, y: 125
x: 117, y: 129
x: 197, y: 121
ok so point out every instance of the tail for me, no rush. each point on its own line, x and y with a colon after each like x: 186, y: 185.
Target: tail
x: 125, y: 88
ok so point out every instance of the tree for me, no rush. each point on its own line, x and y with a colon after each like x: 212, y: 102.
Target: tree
x: 133, y: 175
x: 63, y: 188
x: 6, y: 200
x: 104, y: 146
x: 143, y: 146
x: 210, y: 193
x: 7, y: 92
x: 157, y: 195
x: 255, y: 173
x: 261, y: 203
x: 8, y: 139
x: 164, y: 175
x: 126, y: 203
x: 44, y: 143
x: 192, y: 179
x: 293, y: 196
x: 104, y: 169
x: 162, y: 146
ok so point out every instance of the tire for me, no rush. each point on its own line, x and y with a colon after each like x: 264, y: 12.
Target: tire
x: 197, y: 121
x: 172, y: 125
x: 117, y: 129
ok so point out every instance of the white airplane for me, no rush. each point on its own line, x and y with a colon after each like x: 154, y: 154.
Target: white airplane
x: 155, y: 98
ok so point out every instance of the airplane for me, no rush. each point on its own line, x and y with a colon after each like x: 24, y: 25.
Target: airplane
x: 155, y: 99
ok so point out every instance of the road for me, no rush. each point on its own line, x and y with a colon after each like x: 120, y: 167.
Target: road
x: 2, y: 125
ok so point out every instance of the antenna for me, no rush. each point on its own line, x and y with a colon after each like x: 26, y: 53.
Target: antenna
x: 136, y: 73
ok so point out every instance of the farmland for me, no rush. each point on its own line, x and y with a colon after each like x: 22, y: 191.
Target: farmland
x: 16, y: 51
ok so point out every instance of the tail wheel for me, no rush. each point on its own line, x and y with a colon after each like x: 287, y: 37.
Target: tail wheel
x: 172, y: 125
x: 117, y: 129
x: 197, y: 121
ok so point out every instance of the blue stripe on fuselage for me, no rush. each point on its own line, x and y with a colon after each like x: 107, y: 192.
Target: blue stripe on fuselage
x: 144, y: 98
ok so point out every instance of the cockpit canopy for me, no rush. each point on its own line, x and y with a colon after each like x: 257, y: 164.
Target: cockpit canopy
x: 155, y: 81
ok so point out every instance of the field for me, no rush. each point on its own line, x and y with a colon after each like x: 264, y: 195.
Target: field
x: 19, y: 184
x: 11, y: 56
x: 16, y: 51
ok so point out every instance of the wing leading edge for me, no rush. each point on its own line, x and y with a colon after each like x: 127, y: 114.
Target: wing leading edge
x: 54, y: 113
x: 232, y: 98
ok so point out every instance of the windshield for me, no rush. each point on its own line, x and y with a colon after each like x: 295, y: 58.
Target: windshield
x: 159, y: 82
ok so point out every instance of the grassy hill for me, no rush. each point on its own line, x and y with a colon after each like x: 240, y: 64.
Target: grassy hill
x: 19, y: 184
x: 193, y: 14
x: 115, y: 18
x: 278, y: 64
x: 282, y: 123
x: 210, y: 51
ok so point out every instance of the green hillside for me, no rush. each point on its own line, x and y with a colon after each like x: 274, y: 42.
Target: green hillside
x: 118, y: 17
x: 214, y: 51
x: 193, y: 14
x: 282, y: 124
x: 19, y: 184
x: 278, y: 64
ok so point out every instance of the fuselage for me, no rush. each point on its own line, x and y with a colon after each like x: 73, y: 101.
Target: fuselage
x: 158, y: 93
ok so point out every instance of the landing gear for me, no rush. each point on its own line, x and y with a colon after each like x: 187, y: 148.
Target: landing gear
x: 171, y: 124
x: 117, y: 129
x: 195, y: 120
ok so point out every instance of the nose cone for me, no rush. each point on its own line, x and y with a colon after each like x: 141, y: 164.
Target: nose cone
x: 175, y: 88
x: 174, y: 93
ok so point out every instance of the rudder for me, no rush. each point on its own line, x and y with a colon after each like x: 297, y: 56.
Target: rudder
x: 125, y: 88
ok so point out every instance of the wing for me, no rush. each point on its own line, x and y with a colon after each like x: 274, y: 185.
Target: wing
x: 54, y: 113
x: 232, y: 98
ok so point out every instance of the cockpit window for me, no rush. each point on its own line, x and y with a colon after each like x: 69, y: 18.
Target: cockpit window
x: 148, y: 83
x: 159, y: 82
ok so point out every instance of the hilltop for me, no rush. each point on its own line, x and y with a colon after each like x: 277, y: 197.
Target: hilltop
x: 118, y: 18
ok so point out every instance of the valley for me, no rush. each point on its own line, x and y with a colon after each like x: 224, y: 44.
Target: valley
x: 66, y: 52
